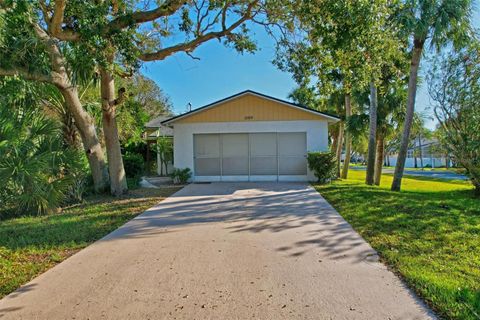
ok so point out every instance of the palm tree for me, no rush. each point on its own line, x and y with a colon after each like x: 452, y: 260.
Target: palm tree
x: 390, y: 116
x: 436, y: 21
x: 372, y: 137
x: 36, y: 168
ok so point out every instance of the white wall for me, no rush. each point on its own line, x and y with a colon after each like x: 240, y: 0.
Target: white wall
x: 317, y: 135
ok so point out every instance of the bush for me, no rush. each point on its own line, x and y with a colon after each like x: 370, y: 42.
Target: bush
x: 181, y: 176
x: 79, y: 172
x: 37, y: 172
x: 134, y: 164
x: 323, y: 164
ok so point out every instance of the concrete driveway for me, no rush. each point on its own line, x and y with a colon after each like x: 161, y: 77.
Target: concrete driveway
x: 223, y: 251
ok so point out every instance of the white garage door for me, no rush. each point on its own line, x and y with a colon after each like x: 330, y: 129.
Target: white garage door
x: 251, y: 156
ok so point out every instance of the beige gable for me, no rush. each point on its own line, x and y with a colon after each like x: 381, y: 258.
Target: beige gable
x: 250, y: 107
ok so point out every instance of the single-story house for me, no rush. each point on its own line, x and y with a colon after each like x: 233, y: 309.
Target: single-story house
x: 249, y: 137
x: 423, y: 153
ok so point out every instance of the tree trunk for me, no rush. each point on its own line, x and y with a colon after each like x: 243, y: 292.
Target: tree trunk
x: 88, y: 134
x: 333, y: 147
x: 83, y: 121
x: 348, y: 138
x: 339, y: 146
x: 372, y: 135
x: 412, y: 91
x: 118, y: 180
x: 68, y: 128
x: 420, y: 152
x: 379, y: 159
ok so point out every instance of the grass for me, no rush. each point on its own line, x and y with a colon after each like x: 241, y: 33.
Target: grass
x: 31, y: 245
x: 429, y: 234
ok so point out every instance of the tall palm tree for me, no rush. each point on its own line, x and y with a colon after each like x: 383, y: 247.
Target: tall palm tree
x: 439, y: 22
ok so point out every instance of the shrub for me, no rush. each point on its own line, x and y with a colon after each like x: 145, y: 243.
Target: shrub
x: 181, y: 176
x: 37, y: 171
x: 323, y: 164
x: 79, y: 171
x: 134, y: 164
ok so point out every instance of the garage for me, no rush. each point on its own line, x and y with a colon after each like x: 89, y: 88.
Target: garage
x: 249, y: 137
x: 257, y: 156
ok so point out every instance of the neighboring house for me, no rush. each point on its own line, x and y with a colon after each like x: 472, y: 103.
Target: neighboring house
x: 248, y: 137
x: 424, y: 153
x: 154, y: 130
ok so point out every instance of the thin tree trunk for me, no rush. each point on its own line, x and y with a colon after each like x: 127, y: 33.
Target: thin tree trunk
x: 118, y: 180
x: 86, y: 128
x: 420, y: 150
x: 379, y: 159
x: 339, y: 146
x: 333, y: 147
x: 412, y: 91
x: 348, y: 138
x: 372, y: 135
x: 68, y: 127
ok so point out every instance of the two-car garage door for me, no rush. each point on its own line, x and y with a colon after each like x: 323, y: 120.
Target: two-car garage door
x: 250, y: 156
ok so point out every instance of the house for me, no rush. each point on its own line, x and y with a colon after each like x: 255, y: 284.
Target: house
x: 423, y: 153
x: 248, y: 137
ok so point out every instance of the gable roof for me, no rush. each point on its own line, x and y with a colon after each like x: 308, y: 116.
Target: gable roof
x: 329, y: 117
x: 156, y: 124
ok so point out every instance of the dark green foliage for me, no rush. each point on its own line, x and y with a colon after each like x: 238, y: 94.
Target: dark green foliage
x: 181, y: 176
x: 454, y: 86
x: 37, y: 171
x: 134, y: 164
x: 323, y: 164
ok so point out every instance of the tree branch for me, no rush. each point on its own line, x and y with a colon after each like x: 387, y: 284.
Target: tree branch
x: 166, y: 9
x: 54, y: 21
x: 193, y: 44
x: 57, y: 18
x: 25, y: 74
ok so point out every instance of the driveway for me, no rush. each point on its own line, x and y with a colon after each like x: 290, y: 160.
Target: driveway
x: 223, y: 251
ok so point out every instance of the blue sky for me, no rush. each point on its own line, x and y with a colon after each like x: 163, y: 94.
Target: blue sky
x: 221, y: 72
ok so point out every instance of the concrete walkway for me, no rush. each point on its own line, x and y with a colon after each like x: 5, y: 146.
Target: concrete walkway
x: 223, y: 251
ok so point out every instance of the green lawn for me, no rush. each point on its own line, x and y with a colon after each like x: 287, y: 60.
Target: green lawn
x: 31, y: 245
x: 429, y: 233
